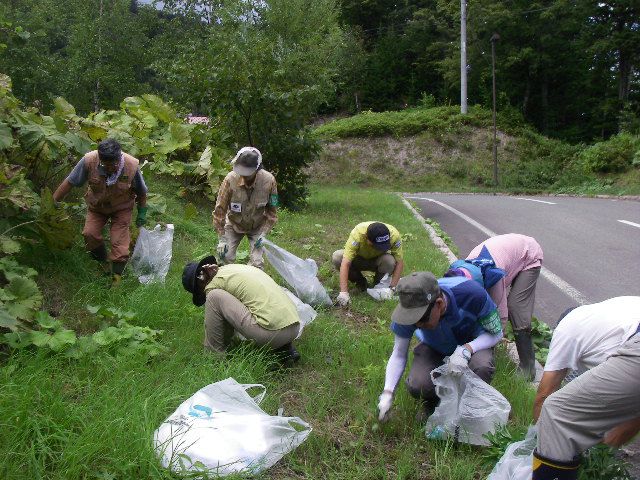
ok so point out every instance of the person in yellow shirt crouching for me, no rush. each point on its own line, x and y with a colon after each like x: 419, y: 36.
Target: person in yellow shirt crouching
x: 371, y: 247
x: 244, y: 299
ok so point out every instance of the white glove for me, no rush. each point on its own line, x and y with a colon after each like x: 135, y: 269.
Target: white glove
x: 222, y: 249
x: 343, y: 299
x: 457, y: 361
x: 384, y: 405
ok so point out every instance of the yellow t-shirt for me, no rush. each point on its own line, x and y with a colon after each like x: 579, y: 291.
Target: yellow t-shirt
x: 357, y: 244
x: 264, y: 298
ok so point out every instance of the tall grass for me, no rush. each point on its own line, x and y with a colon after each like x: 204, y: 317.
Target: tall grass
x: 94, y: 418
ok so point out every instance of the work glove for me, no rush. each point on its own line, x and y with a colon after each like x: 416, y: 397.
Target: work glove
x: 459, y: 360
x: 259, y: 240
x: 384, y: 405
x: 343, y: 299
x: 141, y: 218
x: 223, y: 248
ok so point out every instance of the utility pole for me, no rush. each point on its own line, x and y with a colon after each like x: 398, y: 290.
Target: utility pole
x: 494, y: 38
x: 463, y: 56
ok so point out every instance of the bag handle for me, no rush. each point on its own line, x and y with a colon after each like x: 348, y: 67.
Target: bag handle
x: 259, y: 397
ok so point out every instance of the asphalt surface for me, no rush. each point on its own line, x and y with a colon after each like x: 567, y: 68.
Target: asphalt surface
x: 589, y: 253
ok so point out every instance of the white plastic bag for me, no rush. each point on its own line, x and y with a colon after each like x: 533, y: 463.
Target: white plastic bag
x: 152, y: 254
x: 299, y: 274
x: 221, y: 430
x: 517, y: 461
x: 469, y: 407
x: 306, y: 312
x: 381, y: 290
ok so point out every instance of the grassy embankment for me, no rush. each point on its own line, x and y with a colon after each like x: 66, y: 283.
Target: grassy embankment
x: 94, y: 417
x: 428, y: 149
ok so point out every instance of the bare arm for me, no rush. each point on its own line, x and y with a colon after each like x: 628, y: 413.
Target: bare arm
x: 62, y: 191
x: 344, y: 274
x: 397, y: 272
x: 549, y: 383
x: 621, y: 434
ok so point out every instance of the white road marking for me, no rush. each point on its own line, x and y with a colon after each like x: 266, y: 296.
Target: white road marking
x: 630, y: 223
x: 572, y: 292
x: 534, y: 200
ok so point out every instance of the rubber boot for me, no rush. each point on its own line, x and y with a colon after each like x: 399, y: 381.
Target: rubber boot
x: 527, y: 356
x: 547, y: 469
x: 358, y: 278
x: 116, y: 273
x: 287, y: 354
x: 100, y: 255
x: 376, y: 279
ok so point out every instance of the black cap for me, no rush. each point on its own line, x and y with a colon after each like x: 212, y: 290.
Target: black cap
x: 378, y: 234
x: 189, y: 280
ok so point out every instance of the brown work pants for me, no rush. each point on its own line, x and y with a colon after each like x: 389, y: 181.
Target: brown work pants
x: 224, y: 314
x: 119, y: 232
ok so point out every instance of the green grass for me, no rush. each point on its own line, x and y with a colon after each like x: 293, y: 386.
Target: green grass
x: 94, y: 418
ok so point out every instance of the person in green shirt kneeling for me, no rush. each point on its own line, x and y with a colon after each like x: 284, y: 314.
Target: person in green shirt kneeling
x: 244, y: 299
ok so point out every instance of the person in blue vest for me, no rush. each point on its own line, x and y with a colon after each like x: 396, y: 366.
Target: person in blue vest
x: 451, y: 317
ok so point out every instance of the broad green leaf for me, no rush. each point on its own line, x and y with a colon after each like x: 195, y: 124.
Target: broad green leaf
x: 45, y: 320
x: 7, y: 320
x: 6, y: 136
x: 95, y: 131
x: 204, y: 164
x: 176, y: 137
x: 62, y: 338
x: 12, y: 269
x: 63, y: 108
x: 157, y: 204
x: 17, y: 339
x: 159, y: 108
x: 54, y: 224
x: 39, y: 338
x: 107, y: 336
x: 93, y: 309
x: 27, y: 298
x: 8, y: 245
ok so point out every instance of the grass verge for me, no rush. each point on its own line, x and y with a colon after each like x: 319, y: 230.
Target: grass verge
x: 94, y: 417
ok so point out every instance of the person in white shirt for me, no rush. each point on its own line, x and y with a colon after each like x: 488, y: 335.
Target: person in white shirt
x: 601, y: 343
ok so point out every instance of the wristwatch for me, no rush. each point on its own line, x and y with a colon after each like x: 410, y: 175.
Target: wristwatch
x: 466, y: 353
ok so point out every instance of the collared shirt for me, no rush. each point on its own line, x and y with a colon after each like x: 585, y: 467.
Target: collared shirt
x: 80, y: 174
x: 470, y: 312
x: 265, y: 299
x: 357, y: 245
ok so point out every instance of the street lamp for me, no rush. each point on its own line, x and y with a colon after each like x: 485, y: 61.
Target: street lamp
x: 494, y: 38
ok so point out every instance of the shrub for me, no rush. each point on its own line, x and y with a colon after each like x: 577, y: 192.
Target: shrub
x: 615, y: 155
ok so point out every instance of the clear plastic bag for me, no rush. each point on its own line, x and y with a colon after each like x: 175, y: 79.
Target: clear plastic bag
x: 221, y: 430
x: 152, y: 254
x: 517, y: 461
x: 469, y: 407
x: 306, y: 312
x: 300, y: 274
x: 381, y: 290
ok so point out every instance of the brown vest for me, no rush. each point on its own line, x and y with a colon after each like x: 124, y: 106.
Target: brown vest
x: 250, y: 201
x: 107, y: 199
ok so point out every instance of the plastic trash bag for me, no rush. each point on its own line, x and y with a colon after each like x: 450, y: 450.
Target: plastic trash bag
x: 152, y: 254
x: 381, y: 290
x: 306, y: 312
x: 469, y: 408
x: 517, y: 461
x: 299, y: 274
x: 221, y: 430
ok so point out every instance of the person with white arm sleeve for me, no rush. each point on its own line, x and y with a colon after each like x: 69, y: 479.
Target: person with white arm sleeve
x: 451, y: 317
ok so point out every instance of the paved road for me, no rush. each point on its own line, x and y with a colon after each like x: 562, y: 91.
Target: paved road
x: 591, y: 246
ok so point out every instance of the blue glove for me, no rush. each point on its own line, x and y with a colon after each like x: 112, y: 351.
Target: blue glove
x: 259, y: 241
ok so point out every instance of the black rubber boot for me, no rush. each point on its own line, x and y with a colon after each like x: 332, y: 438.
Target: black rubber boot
x: 376, y: 279
x: 524, y: 345
x: 99, y: 254
x: 547, y: 469
x: 358, y: 278
x: 287, y: 354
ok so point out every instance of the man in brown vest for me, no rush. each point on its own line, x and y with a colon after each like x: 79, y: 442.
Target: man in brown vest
x: 115, y: 184
x: 246, y: 205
